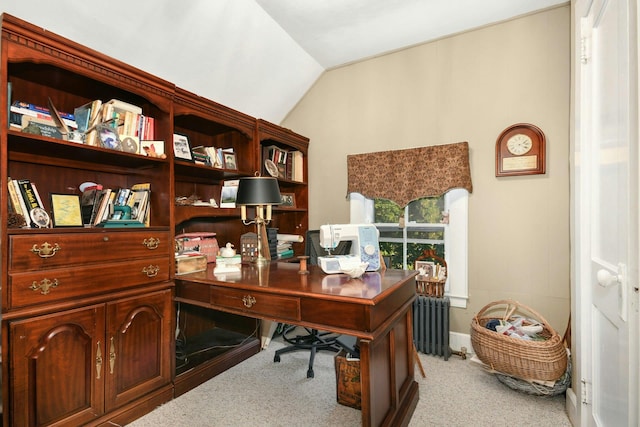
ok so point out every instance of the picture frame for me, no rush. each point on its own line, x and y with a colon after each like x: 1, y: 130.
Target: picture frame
x: 66, y: 210
x: 230, y: 161
x: 287, y: 200
x: 427, y: 266
x: 181, y: 147
x: 108, y: 137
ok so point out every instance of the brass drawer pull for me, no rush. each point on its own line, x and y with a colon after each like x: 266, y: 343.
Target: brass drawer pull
x: 151, y: 271
x: 112, y: 356
x: 151, y: 243
x: 248, y: 301
x: 98, y: 361
x: 45, y: 250
x: 44, y: 286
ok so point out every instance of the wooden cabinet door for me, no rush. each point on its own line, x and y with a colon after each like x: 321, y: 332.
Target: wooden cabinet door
x: 57, y: 375
x: 138, y: 347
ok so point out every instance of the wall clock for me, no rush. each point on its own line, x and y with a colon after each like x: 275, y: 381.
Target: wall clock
x: 520, y: 150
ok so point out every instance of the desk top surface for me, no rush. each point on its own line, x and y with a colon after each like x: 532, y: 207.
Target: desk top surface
x: 284, y: 278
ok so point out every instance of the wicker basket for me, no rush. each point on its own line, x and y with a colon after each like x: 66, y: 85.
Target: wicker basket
x: 533, y: 360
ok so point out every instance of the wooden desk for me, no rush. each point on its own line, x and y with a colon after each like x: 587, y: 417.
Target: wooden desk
x: 375, y: 308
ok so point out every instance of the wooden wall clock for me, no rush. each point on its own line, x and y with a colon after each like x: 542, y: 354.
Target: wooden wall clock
x: 520, y: 150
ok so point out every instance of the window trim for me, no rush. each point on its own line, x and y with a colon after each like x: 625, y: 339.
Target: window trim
x: 456, y: 239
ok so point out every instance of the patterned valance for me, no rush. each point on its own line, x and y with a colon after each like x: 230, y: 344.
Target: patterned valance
x: 405, y: 175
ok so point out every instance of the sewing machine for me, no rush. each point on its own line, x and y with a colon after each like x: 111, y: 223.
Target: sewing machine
x: 364, y: 247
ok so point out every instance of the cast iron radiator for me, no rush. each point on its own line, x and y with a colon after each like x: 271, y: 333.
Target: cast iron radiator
x: 431, y: 325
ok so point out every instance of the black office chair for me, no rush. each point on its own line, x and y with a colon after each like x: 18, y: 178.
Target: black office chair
x: 315, y: 340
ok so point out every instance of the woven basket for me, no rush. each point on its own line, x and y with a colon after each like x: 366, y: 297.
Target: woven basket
x: 533, y: 360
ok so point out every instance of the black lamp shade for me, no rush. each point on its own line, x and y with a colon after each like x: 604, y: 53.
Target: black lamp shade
x: 258, y: 190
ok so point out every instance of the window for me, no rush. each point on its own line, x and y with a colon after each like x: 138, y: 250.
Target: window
x: 406, y: 233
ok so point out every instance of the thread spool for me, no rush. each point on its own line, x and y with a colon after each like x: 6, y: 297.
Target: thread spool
x: 303, y: 264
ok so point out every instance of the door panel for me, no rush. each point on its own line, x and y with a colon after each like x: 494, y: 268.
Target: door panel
x: 139, y: 347
x: 606, y: 166
x: 56, y: 375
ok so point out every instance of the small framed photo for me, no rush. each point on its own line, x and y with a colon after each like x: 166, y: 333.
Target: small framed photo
x: 287, y: 200
x: 66, y: 210
x: 230, y: 161
x: 426, y: 268
x: 181, y: 148
x: 108, y: 137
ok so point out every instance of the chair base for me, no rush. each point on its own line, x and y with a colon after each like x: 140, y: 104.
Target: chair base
x: 313, y: 341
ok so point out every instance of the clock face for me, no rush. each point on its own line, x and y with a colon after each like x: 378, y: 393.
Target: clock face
x: 519, y: 144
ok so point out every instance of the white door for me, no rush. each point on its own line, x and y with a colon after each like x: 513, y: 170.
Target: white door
x: 606, y: 212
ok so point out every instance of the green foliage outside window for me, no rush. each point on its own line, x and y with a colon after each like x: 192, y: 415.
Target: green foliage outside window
x: 422, y: 211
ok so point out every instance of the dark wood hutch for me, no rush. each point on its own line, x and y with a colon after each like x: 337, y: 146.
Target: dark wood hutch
x: 99, y: 347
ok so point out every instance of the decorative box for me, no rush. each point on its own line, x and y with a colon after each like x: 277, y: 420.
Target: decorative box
x: 190, y: 263
x: 205, y: 243
x: 349, y: 390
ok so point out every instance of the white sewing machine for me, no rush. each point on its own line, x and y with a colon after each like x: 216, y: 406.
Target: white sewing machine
x: 364, y: 247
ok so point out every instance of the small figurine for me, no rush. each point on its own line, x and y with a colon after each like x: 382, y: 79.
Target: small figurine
x: 228, y: 251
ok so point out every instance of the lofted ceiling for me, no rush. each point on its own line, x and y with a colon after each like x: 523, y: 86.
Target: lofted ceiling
x: 259, y: 56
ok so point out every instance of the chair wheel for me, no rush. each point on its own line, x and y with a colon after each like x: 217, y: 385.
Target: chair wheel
x: 310, y: 373
x: 276, y: 358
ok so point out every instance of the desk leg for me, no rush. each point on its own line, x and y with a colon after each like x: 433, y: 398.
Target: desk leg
x: 389, y: 390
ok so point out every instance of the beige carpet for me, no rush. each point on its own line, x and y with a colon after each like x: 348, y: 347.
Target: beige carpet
x: 259, y: 392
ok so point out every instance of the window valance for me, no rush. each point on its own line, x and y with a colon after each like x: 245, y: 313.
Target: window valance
x: 405, y: 175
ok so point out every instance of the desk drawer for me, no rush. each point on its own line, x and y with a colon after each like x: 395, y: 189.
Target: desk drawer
x: 57, y: 284
x: 256, y: 303
x: 38, y: 251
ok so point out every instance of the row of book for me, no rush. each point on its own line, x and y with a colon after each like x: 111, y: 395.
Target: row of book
x: 113, y: 124
x: 112, y: 207
x: 222, y: 158
x: 124, y: 118
x: 24, y: 199
x: 284, y: 164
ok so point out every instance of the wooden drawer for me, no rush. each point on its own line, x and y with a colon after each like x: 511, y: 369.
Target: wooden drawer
x: 256, y: 303
x: 57, y: 284
x: 39, y: 251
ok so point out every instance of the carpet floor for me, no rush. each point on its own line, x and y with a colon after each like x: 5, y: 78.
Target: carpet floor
x: 259, y: 392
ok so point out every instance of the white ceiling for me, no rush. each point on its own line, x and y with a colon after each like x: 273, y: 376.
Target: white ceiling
x: 258, y: 56
x: 337, y: 32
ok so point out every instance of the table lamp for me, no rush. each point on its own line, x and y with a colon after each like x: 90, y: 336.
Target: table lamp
x: 261, y: 192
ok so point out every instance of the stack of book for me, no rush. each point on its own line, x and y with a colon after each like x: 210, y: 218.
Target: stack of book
x: 124, y: 207
x: 288, y: 164
x: 39, y: 118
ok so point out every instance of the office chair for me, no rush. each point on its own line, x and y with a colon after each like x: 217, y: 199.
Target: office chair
x: 315, y: 340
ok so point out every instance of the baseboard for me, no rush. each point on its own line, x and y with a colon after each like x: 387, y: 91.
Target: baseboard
x: 571, y: 406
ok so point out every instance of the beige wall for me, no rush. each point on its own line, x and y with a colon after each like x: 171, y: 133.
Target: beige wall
x: 468, y: 87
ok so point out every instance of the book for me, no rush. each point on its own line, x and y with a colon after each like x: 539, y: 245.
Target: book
x: 145, y: 215
x: 21, y: 201
x: 41, y: 109
x: 16, y: 199
x: 124, y: 106
x: 298, y: 166
x: 42, y: 127
x: 87, y: 202
x: 30, y: 199
x: 16, y: 113
x: 101, y: 206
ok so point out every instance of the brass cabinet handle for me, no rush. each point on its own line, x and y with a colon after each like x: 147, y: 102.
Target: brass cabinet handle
x: 45, y: 250
x: 151, y: 243
x: 248, y: 301
x: 112, y: 356
x: 151, y: 271
x: 98, y: 361
x: 44, y: 286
